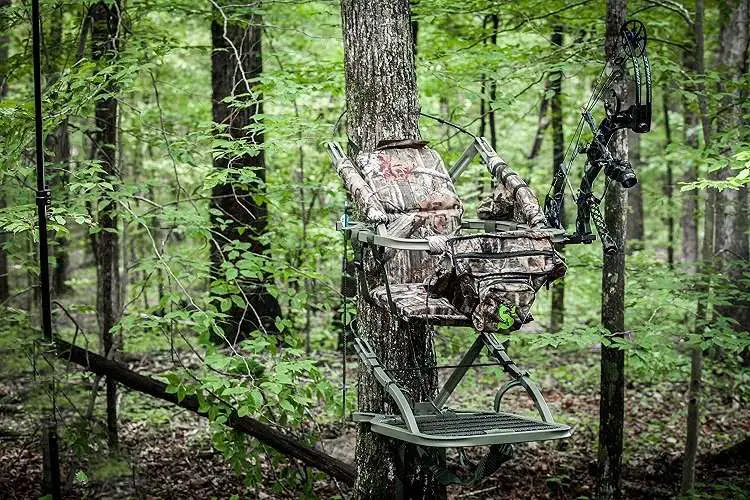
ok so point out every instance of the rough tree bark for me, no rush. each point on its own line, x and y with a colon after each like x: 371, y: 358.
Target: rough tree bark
x: 612, y: 403
x: 236, y: 65
x: 4, y: 286
x: 731, y: 205
x: 105, y: 33
x: 557, y: 299
x: 382, y: 103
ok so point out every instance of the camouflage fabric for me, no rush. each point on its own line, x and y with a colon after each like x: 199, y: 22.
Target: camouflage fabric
x: 413, y: 302
x: 512, y: 198
x: 498, y: 206
x: 364, y: 197
x: 479, y: 273
x: 516, y: 296
x: 414, y: 189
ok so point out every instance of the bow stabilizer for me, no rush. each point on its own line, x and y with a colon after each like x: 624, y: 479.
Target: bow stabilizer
x: 635, y: 115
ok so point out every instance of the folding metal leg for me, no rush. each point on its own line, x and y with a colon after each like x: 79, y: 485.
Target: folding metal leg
x: 520, y: 378
x: 368, y: 357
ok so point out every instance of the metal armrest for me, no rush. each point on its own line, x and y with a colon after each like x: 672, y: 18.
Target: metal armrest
x: 364, y: 234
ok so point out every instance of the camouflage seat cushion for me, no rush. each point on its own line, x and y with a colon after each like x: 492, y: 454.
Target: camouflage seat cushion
x: 413, y: 302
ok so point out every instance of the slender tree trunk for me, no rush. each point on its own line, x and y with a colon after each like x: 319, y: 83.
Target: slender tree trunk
x: 689, y: 213
x: 4, y: 282
x: 495, y: 21
x: 612, y: 403
x: 384, y: 105
x: 557, y: 314
x: 702, y: 309
x: 482, y: 112
x: 61, y: 159
x: 105, y: 24
x: 236, y: 64
x: 58, y: 142
x: 668, y: 183
x: 542, y: 123
x: 634, y: 231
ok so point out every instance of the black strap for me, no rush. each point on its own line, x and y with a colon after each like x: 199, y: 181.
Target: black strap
x: 488, y: 465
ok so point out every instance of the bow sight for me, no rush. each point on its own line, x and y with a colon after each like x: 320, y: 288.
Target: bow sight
x: 624, y: 87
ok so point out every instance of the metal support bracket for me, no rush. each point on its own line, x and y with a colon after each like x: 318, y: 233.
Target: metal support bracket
x: 370, y: 359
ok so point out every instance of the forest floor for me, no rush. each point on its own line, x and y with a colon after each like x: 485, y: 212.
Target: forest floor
x: 166, y: 452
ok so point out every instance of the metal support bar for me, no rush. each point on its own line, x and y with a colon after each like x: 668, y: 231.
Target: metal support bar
x: 361, y: 233
x: 51, y: 460
x: 463, y: 162
x: 336, y: 153
x: 368, y: 357
x: 458, y: 374
x: 534, y: 393
x: 497, y: 351
x: 484, y: 149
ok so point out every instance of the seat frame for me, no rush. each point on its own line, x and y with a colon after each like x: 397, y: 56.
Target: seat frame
x: 406, y: 425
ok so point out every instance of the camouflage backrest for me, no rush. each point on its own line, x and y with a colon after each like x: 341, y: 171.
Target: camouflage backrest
x: 413, y: 187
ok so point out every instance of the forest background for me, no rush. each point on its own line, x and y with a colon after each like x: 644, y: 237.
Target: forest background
x: 193, y: 237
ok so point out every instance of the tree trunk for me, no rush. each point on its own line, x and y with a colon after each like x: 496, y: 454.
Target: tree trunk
x: 236, y: 65
x: 542, y: 123
x: 612, y: 403
x: 495, y: 21
x: 709, y: 235
x: 731, y: 205
x: 634, y: 231
x: 689, y: 213
x: 59, y: 143
x: 105, y: 25
x: 557, y: 314
x: 61, y: 159
x: 4, y: 286
x: 382, y: 103
x: 668, y: 183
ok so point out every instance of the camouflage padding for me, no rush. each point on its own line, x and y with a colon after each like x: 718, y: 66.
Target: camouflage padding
x: 480, y: 273
x: 414, y: 189
x: 498, y: 206
x: 512, y: 190
x: 409, y: 180
x: 364, y: 197
x: 413, y: 302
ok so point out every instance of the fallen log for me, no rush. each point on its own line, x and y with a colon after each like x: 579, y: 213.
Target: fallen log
x: 265, y: 434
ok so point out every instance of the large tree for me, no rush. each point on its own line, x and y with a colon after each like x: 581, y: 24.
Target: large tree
x: 612, y: 402
x: 240, y: 214
x: 557, y: 300
x: 731, y: 205
x: 105, y: 38
x: 382, y: 103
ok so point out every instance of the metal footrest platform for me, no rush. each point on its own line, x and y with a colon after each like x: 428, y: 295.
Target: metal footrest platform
x: 467, y: 428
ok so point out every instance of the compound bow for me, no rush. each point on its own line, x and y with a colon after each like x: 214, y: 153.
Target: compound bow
x: 631, y: 51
